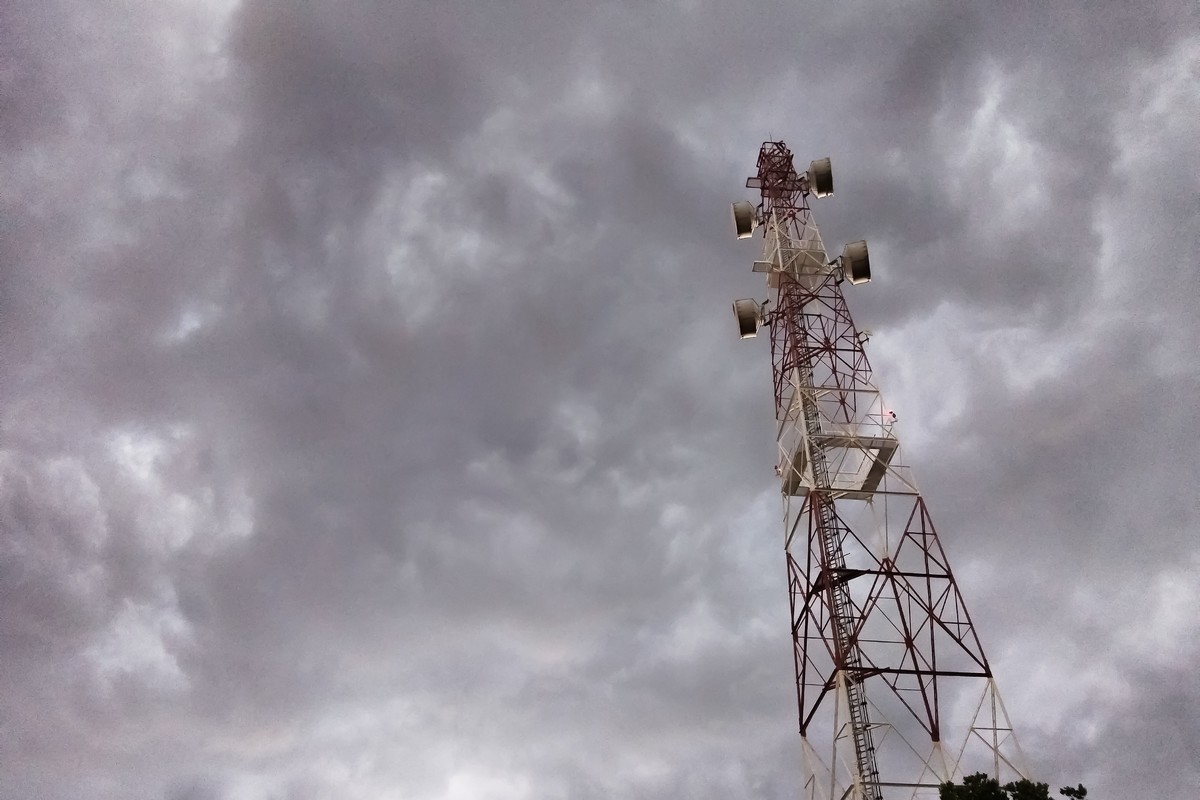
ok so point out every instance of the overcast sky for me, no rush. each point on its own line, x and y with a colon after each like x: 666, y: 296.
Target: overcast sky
x: 375, y: 423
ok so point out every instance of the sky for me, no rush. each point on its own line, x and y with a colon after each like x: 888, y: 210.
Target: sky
x: 375, y: 423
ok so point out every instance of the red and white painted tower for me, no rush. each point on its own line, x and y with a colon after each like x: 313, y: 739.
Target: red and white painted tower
x: 894, y: 692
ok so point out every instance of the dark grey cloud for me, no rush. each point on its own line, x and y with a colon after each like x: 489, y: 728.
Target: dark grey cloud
x: 373, y: 422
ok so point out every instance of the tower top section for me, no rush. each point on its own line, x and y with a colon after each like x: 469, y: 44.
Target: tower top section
x: 793, y: 245
x: 785, y: 191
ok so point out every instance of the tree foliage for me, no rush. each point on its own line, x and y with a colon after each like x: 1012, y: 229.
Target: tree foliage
x: 981, y: 787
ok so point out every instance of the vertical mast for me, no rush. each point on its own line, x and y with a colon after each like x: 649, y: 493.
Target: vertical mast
x: 883, y: 643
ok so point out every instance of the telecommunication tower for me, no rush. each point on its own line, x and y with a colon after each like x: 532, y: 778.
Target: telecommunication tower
x: 894, y: 692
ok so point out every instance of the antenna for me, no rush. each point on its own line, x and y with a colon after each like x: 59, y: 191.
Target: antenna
x: 820, y: 177
x: 743, y: 219
x: 855, y: 264
x: 749, y: 315
x: 883, y: 645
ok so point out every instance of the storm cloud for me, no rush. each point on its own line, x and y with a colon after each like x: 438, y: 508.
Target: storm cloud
x: 374, y: 422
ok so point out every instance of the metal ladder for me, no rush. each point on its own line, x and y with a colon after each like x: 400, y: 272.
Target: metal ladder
x: 846, y: 647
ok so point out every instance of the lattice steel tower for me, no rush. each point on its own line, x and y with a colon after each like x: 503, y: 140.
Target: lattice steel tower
x: 894, y: 692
